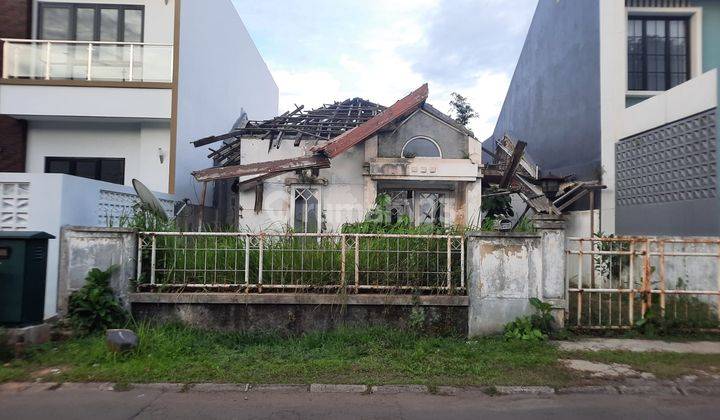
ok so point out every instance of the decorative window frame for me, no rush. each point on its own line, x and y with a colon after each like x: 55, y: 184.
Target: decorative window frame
x: 695, y: 30
x: 291, y: 216
x: 402, y: 152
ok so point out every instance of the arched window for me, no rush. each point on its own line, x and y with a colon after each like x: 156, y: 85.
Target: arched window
x: 421, y: 147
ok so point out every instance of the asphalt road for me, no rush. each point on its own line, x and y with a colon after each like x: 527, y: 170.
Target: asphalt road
x: 67, y: 403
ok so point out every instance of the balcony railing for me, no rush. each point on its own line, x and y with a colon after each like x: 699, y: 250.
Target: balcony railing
x: 91, y: 61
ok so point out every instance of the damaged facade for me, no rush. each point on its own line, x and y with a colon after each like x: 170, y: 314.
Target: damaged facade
x: 316, y: 170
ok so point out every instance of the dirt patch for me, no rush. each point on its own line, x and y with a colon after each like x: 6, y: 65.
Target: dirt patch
x: 605, y: 370
x: 622, y: 344
x: 49, y: 372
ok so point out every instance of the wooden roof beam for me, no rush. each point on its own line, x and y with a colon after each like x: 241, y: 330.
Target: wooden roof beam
x: 283, y: 165
x: 358, y: 134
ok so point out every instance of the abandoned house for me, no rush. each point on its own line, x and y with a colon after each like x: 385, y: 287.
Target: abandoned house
x: 313, y: 171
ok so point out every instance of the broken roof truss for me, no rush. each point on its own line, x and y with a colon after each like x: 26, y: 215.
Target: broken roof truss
x: 340, y: 126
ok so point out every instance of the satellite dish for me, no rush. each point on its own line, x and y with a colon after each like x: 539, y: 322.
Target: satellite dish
x: 149, y: 200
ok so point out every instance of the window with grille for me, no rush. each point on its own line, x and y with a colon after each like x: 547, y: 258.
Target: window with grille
x: 658, y: 53
x: 421, y: 207
x: 306, y: 210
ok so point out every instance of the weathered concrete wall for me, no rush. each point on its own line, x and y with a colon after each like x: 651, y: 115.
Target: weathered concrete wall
x: 505, y: 270
x: 85, y: 248
x: 453, y: 144
x: 299, y: 313
x: 503, y: 273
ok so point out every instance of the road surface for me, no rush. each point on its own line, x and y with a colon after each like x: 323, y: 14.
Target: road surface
x: 146, y: 403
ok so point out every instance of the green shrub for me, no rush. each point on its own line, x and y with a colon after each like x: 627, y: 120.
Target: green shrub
x: 94, y: 307
x: 534, y: 327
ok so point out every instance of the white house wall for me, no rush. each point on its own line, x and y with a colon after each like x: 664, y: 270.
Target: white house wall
x: 138, y: 143
x: 343, y: 198
x: 55, y: 200
x: 221, y: 73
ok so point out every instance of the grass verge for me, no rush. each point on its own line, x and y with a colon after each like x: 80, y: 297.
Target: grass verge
x: 173, y: 353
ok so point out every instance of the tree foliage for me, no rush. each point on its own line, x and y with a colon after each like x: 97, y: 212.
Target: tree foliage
x: 462, y: 109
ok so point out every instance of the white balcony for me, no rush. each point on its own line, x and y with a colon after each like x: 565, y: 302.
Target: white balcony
x: 89, y: 61
x: 86, y: 80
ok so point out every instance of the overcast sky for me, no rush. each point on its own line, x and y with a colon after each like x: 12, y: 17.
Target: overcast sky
x: 320, y: 51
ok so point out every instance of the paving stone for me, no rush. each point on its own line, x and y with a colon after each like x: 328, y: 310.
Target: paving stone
x: 524, y: 390
x: 606, y: 390
x: 399, y: 389
x: 210, y: 387
x: 338, y: 388
x: 648, y: 390
x: 278, y: 388
x: 706, y: 390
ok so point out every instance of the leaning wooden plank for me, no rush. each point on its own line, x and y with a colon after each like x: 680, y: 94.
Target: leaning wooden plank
x: 352, y: 137
x: 226, y: 172
x: 511, y: 169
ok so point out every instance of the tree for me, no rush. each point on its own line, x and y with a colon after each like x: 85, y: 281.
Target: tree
x: 464, y: 112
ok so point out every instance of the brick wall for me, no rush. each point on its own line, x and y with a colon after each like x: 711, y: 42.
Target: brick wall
x: 14, y: 23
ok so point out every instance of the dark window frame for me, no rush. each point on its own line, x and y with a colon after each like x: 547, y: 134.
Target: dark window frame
x: 73, y: 8
x: 668, y: 61
x: 73, y: 161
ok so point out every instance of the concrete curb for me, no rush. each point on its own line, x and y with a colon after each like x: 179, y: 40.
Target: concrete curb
x: 598, y: 390
x: 685, y: 390
x: 399, y: 389
x: 342, y: 388
x: 524, y: 390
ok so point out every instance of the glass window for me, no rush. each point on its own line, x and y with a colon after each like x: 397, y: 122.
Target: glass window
x: 91, y: 22
x: 133, y: 25
x: 306, y: 212
x: 421, y: 147
x: 85, y: 24
x: 657, y: 53
x: 56, y: 23
x: 109, y: 24
x: 103, y: 169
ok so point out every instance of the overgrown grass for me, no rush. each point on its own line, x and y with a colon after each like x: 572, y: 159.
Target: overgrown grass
x: 369, y: 356
x: 663, y: 365
x: 313, y: 261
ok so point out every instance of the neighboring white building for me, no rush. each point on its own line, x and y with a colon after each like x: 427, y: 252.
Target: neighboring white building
x: 104, y: 99
x: 114, y: 90
x: 625, y: 92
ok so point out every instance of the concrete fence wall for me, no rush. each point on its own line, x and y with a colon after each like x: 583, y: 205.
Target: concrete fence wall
x: 85, y: 248
x: 503, y: 272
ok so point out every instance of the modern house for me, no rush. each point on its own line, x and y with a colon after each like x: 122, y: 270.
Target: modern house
x: 625, y: 92
x: 313, y: 171
x: 96, y: 93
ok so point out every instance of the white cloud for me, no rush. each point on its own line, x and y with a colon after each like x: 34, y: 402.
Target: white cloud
x: 381, y: 50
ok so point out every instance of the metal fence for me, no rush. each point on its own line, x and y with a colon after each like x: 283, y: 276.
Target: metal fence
x: 613, y: 282
x: 300, y: 262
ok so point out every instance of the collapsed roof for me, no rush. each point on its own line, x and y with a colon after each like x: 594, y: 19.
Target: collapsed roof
x: 341, y: 126
x: 324, y: 123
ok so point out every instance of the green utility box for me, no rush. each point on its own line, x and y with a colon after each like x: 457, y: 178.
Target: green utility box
x: 23, y: 267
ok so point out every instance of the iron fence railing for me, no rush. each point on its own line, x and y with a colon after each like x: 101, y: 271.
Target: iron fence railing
x: 356, y: 263
x: 613, y: 282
